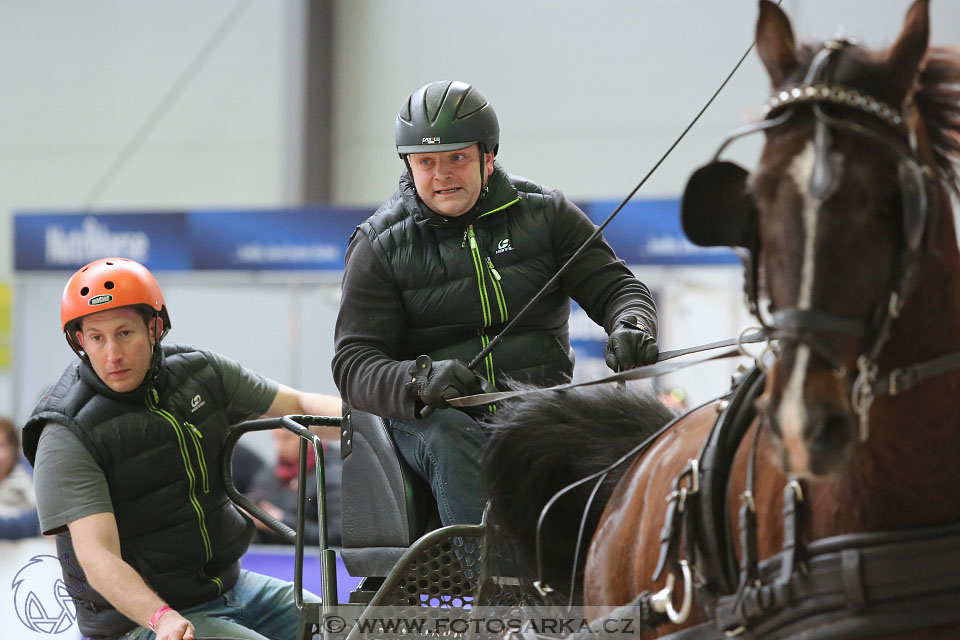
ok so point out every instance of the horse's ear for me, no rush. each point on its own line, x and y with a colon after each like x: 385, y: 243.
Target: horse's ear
x: 903, y: 58
x: 775, y: 42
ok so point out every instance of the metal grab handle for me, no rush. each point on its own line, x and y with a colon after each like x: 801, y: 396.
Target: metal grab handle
x: 291, y: 423
x: 281, y: 529
x: 295, y: 424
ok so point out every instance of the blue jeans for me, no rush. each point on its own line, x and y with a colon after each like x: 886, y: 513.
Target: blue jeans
x: 256, y: 608
x: 445, y: 450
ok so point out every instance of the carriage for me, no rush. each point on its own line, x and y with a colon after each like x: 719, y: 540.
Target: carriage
x: 818, y: 499
x: 391, y: 534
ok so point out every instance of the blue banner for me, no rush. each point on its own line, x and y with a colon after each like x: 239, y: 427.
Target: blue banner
x: 69, y: 241
x: 649, y: 232
x: 645, y: 232
x: 306, y: 239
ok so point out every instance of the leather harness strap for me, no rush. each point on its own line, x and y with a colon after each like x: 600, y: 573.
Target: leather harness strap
x: 859, y: 582
x: 902, y: 379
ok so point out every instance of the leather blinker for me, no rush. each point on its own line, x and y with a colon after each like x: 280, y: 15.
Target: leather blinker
x: 717, y: 210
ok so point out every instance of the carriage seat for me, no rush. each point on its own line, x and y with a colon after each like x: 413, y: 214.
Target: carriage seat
x: 385, y: 505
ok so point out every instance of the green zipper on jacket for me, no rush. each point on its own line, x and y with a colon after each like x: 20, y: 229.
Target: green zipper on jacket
x: 152, y: 398
x: 195, y: 435
x: 478, y: 265
x: 488, y: 365
x: 481, y: 280
x: 498, y: 290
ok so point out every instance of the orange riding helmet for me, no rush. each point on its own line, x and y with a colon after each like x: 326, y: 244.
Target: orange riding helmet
x: 110, y: 283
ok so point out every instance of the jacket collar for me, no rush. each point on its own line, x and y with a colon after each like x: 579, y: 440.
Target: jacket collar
x: 155, y: 376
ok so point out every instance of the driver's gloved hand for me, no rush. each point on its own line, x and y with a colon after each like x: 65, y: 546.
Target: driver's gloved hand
x: 433, y: 383
x: 630, y: 345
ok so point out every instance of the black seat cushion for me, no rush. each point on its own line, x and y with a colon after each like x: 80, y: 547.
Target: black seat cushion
x: 385, y: 505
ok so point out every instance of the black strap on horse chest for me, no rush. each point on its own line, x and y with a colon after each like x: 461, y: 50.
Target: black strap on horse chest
x: 720, y: 562
x: 854, y: 586
x: 705, y: 510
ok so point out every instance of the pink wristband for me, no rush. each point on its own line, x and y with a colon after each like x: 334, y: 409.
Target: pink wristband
x: 159, y: 614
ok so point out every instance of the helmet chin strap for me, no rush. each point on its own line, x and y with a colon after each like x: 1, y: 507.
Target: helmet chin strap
x: 484, y: 178
x: 158, y: 328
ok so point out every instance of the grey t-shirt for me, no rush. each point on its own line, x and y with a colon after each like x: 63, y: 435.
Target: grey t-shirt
x: 70, y: 485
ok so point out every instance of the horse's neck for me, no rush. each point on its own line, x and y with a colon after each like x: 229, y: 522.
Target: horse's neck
x: 905, y: 474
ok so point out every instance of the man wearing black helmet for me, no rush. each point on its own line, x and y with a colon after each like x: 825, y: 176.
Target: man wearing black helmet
x: 443, y: 265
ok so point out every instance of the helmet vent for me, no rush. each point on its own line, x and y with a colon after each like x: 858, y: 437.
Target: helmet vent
x: 84, y: 291
x: 108, y: 284
x: 109, y: 263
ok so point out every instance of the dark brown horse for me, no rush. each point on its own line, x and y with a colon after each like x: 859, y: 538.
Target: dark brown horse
x: 848, y: 222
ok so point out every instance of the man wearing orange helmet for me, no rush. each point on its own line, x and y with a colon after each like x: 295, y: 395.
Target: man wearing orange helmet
x: 126, y: 448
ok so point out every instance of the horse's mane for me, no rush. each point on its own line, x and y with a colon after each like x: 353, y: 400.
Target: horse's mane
x: 938, y: 99
x: 588, y: 428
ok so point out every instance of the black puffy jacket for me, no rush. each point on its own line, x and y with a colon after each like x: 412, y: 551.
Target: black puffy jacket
x: 416, y: 282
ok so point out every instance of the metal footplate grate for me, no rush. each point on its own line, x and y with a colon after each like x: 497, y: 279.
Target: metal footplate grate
x: 444, y: 571
x: 441, y: 569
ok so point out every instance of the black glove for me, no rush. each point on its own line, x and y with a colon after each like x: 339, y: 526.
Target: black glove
x: 630, y: 345
x: 436, y: 382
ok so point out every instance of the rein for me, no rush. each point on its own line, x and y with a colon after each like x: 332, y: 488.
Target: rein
x: 640, y: 373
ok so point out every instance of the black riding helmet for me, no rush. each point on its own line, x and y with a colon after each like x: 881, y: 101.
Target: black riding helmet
x: 446, y: 116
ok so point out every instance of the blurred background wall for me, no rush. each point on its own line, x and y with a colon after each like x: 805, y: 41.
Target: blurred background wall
x: 120, y: 105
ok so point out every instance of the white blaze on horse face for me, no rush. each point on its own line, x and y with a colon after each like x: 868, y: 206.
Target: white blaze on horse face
x: 792, y: 411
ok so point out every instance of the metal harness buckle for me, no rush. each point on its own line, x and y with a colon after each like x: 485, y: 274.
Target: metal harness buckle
x: 892, y: 386
x: 680, y: 494
x: 861, y: 395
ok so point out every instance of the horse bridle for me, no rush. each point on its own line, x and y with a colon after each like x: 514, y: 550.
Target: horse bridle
x: 918, y: 196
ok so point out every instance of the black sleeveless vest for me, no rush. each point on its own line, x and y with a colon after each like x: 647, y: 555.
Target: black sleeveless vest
x: 160, y: 448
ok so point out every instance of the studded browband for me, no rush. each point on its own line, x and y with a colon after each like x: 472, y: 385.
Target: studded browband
x: 837, y: 94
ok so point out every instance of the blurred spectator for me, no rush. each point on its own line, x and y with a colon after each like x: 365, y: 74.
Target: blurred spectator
x: 18, y: 505
x: 244, y: 467
x: 275, y: 487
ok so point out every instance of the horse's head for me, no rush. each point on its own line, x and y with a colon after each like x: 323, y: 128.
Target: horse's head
x: 834, y: 218
x: 837, y: 218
